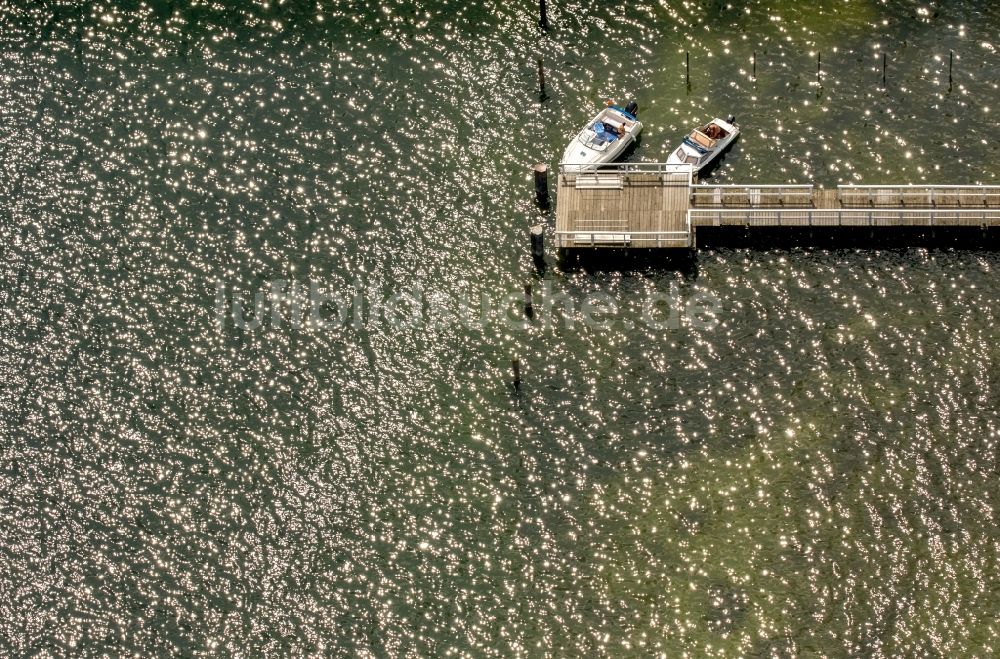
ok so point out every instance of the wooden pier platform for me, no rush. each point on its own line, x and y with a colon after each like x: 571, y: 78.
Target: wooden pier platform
x: 653, y: 205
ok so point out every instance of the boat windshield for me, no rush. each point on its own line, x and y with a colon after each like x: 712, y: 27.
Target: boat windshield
x: 599, y: 135
x: 683, y: 156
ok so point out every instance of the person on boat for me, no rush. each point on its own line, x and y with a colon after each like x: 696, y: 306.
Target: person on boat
x: 714, y: 132
x: 621, y: 129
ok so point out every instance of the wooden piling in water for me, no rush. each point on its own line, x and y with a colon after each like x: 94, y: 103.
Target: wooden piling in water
x: 951, y: 59
x: 754, y: 75
x: 687, y: 68
x: 543, y: 20
x: 538, y: 243
x: 819, y: 69
x: 515, y: 365
x: 885, y: 59
x: 542, y: 184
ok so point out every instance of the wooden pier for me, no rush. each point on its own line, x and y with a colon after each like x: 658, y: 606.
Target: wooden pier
x: 659, y: 206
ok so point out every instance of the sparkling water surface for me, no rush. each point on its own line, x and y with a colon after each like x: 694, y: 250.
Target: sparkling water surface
x: 812, y: 474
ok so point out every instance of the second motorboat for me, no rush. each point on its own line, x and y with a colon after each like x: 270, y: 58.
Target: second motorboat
x: 704, y: 144
x: 605, y: 138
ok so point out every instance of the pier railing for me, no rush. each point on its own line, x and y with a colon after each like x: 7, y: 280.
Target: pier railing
x: 751, y: 195
x: 656, y: 205
x: 919, y: 195
x: 623, y: 238
x: 616, y: 175
x: 845, y: 217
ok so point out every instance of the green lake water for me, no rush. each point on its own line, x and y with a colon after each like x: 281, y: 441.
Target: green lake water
x: 808, y: 468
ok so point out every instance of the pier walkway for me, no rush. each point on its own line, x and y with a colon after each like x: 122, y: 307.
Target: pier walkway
x: 653, y: 205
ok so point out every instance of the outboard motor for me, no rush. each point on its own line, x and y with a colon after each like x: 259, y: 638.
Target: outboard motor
x: 632, y: 108
x: 730, y: 119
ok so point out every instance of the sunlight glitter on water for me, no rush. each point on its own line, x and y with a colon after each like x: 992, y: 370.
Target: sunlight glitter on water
x: 815, y: 474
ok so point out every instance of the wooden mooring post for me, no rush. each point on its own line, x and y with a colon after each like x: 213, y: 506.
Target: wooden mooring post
x: 541, y: 171
x: 543, y: 20
x: 538, y: 242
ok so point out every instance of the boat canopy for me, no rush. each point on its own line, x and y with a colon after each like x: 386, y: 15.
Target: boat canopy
x: 694, y: 145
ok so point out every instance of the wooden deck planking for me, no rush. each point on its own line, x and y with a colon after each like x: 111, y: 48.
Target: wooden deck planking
x: 647, y: 203
x: 825, y: 198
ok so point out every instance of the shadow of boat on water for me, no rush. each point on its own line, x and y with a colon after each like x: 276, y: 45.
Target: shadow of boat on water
x: 711, y: 168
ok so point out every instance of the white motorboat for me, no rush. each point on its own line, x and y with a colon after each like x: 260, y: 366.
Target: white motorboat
x: 704, y: 144
x: 605, y: 138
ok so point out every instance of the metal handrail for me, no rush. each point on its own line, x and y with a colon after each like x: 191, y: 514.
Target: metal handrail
x: 625, y: 168
x: 660, y: 237
x: 745, y: 186
x: 622, y: 231
x: 753, y: 194
x: 883, y: 195
x: 837, y: 211
x: 919, y: 186
x: 869, y: 214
